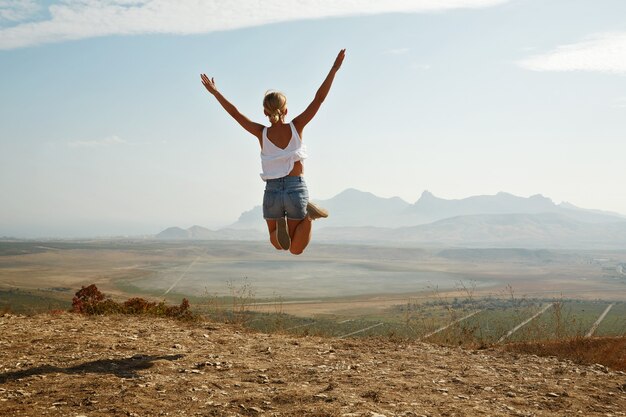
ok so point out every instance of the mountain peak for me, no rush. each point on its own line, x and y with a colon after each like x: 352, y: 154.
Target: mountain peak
x: 173, y: 233
x: 540, y: 197
x: 195, y: 227
x: 352, y: 192
x: 427, y: 195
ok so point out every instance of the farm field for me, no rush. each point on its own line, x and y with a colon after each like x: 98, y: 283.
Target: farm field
x: 325, y: 274
x: 614, y: 323
x: 482, y: 323
x: 335, y: 291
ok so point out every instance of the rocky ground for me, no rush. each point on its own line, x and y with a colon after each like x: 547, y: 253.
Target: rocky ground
x: 70, y: 365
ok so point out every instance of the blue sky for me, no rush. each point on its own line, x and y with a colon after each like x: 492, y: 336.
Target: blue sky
x: 105, y: 128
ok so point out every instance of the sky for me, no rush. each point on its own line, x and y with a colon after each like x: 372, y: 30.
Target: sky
x: 105, y: 128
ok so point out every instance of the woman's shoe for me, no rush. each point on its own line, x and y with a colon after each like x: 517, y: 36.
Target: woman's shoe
x: 282, y: 233
x: 315, y: 212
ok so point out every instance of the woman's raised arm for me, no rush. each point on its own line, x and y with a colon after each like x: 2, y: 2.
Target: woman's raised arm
x: 255, y: 128
x: 307, y: 115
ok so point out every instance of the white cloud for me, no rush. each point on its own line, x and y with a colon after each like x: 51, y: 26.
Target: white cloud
x: 601, y: 53
x: 108, y: 141
x: 78, y: 19
x: 17, y: 10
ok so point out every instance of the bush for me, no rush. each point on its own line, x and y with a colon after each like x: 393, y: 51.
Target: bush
x: 86, y: 299
x: 89, y: 300
x: 138, y: 306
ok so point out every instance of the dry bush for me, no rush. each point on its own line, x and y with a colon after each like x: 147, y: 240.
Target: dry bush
x: 235, y: 308
x: 86, y: 300
x: 243, y: 298
x: 607, y: 351
x: 89, y: 300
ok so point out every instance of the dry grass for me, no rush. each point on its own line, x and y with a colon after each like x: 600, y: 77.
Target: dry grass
x: 607, y: 351
x: 73, y: 364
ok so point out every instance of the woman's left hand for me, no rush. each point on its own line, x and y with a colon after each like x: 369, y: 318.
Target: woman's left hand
x: 209, y: 84
x: 339, y: 59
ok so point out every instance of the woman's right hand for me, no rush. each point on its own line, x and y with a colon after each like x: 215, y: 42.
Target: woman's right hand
x: 209, y: 84
x: 339, y: 59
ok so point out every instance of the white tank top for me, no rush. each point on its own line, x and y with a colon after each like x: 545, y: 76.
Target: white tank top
x: 277, y: 162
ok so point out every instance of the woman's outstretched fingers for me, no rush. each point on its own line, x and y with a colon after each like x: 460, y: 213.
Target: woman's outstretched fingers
x: 340, y: 56
x: 209, y: 84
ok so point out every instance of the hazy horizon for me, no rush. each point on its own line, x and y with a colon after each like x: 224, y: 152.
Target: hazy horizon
x: 106, y: 130
x: 67, y: 234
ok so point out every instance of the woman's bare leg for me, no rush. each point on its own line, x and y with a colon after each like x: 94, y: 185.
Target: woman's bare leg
x: 300, y: 233
x: 271, y: 226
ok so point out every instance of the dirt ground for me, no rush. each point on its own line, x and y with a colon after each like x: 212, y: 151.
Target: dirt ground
x: 70, y: 365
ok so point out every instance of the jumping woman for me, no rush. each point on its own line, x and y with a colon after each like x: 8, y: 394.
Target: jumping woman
x: 286, y: 206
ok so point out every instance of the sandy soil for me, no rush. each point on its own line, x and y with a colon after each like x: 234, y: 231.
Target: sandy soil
x: 69, y: 365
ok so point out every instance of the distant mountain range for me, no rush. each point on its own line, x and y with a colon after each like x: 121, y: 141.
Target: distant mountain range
x: 353, y: 208
x: 501, y: 220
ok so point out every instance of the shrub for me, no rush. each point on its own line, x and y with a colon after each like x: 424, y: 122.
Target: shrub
x: 89, y: 300
x: 138, y: 306
x: 86, y: 299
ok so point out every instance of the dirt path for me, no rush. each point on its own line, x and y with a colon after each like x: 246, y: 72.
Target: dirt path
x: 68, y: 365
x: 451, y: 324
x: 524, y: 323
x: 600, y: 319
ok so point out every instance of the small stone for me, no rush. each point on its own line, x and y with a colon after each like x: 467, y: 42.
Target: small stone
x: 552, y: 394
x: 511, y: 394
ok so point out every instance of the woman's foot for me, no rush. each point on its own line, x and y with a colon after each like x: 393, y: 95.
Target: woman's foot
x: 315, y: 212
x: 282, y: 233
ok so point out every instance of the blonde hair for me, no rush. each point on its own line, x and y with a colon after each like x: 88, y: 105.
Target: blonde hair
x: 275, y: 104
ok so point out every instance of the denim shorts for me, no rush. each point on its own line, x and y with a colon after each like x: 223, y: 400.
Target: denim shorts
x: 286, y: 196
